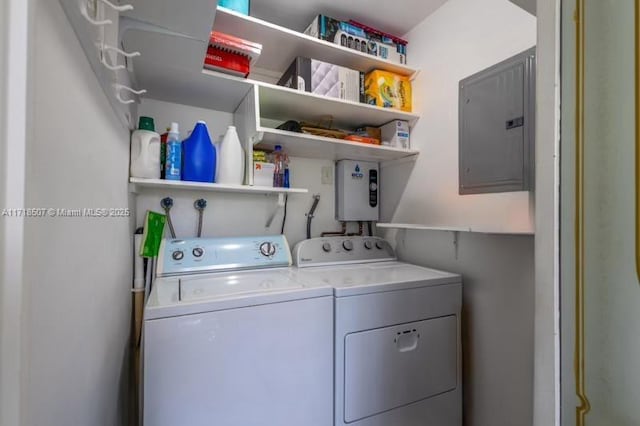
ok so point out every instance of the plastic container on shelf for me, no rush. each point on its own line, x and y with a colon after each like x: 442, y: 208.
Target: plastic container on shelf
x: 281, y: 161
x: 199, y: 163
x: 145, y: 150
x: 173, y: 166
x: 231, y: 159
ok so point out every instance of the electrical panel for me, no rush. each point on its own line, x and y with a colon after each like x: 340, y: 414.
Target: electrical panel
x: 496, y: 128
x: 357, y: 193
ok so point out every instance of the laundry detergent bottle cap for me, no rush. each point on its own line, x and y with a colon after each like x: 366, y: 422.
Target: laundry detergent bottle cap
x: 231, y: 159
x: 146, y: 123
x: 199, y: 162
x: 174, y: 129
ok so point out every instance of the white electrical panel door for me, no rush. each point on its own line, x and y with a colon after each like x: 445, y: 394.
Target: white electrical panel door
x: 357, y: 195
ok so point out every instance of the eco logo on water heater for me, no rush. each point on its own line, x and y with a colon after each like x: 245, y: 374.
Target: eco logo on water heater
x: 357, y: 174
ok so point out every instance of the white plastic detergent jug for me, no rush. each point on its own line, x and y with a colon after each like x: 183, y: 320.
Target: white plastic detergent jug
x: 231, y: 163
x: 145, y: 150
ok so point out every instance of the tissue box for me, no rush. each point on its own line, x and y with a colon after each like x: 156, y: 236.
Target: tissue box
x: 322, y: 78
x: 263, y: 173
x: 388, y: 90
x: 396, y: 134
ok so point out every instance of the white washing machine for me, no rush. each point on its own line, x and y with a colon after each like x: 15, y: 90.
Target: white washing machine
x: 397, y: 333
x: 231, y: 339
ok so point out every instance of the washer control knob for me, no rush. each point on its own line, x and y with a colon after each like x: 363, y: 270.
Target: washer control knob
x: 177, y: 255
x: 267, y: 249
x: 326, y: 247
x: 198, y: 252
x: 347, y: 245
x: 368, y: 245
x: 379, y: 245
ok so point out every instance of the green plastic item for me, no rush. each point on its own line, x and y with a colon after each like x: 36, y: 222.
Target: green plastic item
x: 152, y: 234
x: 146, y: 123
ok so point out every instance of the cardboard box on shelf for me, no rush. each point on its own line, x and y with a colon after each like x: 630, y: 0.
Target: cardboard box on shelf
x: 322, y: 78
x: 388, y: 90
x: 263, y: 173
x: 396, y: 134
x: 354, y: 37
x: 370, y: 132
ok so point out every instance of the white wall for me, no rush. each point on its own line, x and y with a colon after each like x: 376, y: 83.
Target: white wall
x: 238, y: 214
x: 497, y: 317
x: 461, y: 38
x: 78, y: 270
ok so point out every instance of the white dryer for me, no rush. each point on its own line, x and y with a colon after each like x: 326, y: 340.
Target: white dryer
x: 231, y: 339
x: 397, y: 333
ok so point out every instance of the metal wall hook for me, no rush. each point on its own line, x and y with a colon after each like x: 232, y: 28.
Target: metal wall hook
x: 84, y: 12
x: 119, y: 87
x: 104, y: 62
x: 117, y: 8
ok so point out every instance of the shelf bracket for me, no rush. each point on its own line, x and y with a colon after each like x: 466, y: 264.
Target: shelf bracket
x: 456, y: 243
x: 279, y: 205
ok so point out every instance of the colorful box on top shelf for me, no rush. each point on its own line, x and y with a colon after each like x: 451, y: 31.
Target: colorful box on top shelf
x: 231, y: 55
x: 388, y: 90
x: 357, y: 36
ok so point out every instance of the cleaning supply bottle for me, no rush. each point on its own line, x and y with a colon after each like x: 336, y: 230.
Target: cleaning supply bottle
x: 199, y: 155
x: 279, y: 159
x: 173, y: 166
x: 145, y: 150
x: 231, y: 159
x: 163, y: 151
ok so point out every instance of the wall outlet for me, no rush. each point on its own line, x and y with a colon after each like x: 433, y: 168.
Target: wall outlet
x: 327, y: 175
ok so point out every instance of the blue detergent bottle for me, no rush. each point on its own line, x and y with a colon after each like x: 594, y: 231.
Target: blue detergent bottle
x: 199, y: 155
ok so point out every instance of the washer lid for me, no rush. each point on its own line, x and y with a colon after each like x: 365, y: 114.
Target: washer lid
x: 353, y: 279
x: 216, y: 286
x: 191, y: 294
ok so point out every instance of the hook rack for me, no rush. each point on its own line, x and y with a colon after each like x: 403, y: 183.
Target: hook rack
x: 117, y: 8
x: 119, y: 87
x: 85, y: 13
x: 107, y: 65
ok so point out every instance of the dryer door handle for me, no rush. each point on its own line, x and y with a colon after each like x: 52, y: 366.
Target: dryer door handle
x: 407, y: 340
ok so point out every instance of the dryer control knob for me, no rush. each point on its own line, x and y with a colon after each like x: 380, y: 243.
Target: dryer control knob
x: 379, y: 245
x: 326, y: 247
x: 267, y: 249
x: 368, y: 245
x: 177, y: 255
x: 347, y: 245
x: 198, y: 252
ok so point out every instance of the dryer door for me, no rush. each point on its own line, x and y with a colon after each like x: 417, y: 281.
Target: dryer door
x: 394, y: 366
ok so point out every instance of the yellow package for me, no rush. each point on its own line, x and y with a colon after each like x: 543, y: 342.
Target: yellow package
x: 388, y: 90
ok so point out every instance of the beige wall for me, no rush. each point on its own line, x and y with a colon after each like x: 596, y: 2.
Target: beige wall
x: 78, y: 270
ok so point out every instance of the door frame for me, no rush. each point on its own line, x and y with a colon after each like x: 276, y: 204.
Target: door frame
x: 14, y: 24
x: 546, y: 404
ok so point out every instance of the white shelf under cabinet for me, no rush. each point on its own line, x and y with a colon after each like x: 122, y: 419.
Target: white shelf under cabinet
x: 137, y: 184
x: 311, y: 146
x: 282, y: 103
x: 281, y: 45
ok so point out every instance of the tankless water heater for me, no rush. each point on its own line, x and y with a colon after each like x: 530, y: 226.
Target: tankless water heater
x: 357, y: 193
